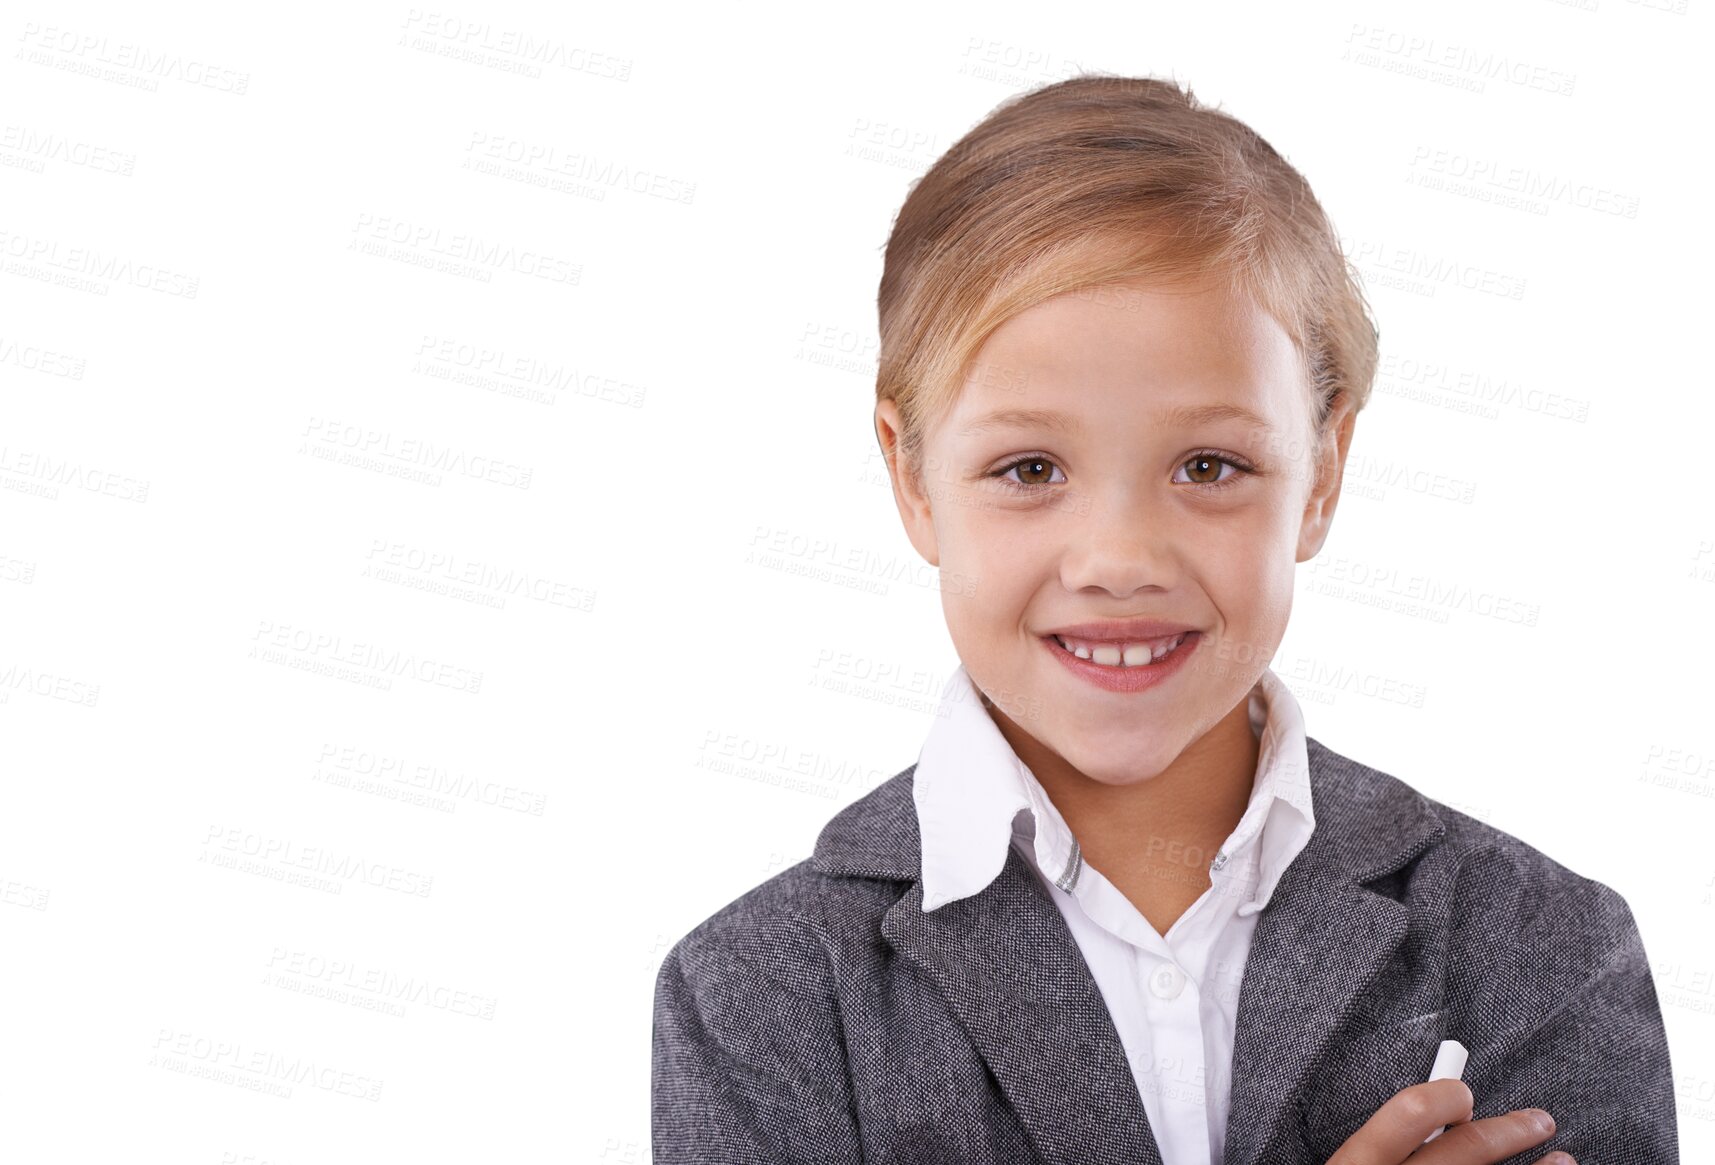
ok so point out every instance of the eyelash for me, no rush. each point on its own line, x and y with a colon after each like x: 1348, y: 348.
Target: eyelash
x: 1244, y: 468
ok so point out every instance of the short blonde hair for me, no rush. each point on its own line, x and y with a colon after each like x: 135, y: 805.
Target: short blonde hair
x: 1093, y: 180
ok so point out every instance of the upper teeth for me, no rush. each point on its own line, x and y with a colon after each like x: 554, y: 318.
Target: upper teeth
x: 1114, y: 654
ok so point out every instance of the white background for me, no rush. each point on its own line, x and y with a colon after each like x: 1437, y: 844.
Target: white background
x: 389, y: 673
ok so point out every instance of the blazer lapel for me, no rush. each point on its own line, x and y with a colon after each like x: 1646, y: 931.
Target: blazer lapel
x: 1317, y: 946
x: 1008, y: 966
x: 1319, y: 943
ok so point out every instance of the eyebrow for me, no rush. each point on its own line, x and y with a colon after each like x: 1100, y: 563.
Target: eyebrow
x: 1065, y: 423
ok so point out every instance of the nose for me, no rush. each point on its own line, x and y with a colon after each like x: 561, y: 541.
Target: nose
x: 1126, y: 542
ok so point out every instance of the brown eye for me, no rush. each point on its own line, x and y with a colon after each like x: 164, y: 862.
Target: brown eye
x: 1034, y: 473
x: 1204, y: 471
x: 1202, y: 464
x: 1028, y: 471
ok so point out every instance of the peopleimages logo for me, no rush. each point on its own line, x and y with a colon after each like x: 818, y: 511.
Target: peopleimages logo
x: 89, y: 269
x: 258, y: 1069
x: 142, y: 67
x: 286, y: 854
x: 481, y: 253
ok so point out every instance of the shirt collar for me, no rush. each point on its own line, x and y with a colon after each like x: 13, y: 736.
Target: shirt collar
x: 974, y: 796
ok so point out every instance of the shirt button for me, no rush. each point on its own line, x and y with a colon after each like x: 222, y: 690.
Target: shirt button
x: 1167, y: 981
x: 1220, y: 860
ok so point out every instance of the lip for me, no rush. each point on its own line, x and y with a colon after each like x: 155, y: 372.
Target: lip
x: 1125, y: 679
x: 1121, y: 630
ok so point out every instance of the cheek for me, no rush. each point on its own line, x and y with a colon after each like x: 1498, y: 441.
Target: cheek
x: 1256, y: 612
x: 979, y: 594
x: 985, y: 542
x: 1240, y: 544
x: 1248, y: 570
x: 986, y: 582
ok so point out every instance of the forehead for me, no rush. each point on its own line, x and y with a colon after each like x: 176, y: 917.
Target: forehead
x: 1137, y: 350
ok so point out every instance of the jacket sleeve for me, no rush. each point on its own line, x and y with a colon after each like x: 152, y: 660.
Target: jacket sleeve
x: 749, y: 1061
x: 1566, y: 1017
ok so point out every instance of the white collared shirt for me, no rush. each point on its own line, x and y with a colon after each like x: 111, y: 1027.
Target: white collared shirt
x: 1173, y: 997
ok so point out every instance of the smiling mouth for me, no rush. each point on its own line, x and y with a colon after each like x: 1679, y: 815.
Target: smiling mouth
x: 1122, y: 656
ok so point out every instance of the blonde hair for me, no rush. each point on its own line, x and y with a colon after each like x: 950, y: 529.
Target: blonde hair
x: 1093, y: 180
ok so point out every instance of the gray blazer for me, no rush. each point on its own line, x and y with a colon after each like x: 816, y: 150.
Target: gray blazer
x: 823, y: 1017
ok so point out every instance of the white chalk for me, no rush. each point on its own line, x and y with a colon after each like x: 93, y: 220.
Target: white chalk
x: 1449, y: 1065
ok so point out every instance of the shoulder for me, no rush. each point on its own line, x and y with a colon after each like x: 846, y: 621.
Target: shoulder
x: 1531, y: 927
x: 1536, y: 968
x: 748, y: 1051
x: 786, y: 929
x: 1501, y: 889
x: 767, y: 939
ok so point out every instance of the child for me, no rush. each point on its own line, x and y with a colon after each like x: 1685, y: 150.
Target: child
x: 1123, y: 908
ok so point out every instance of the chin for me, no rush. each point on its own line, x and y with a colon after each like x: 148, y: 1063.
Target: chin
x: 1121, y: 766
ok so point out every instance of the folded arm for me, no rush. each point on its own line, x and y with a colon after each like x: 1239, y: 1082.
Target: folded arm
x: 1565, y: 1018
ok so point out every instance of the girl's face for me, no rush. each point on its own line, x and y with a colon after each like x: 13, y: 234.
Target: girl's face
x: 1124, y: 453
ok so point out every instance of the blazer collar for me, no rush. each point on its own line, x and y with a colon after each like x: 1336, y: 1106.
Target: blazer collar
x: 1011, y: 971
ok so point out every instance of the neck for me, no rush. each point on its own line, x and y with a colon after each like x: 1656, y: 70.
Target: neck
x: 1164, y: 829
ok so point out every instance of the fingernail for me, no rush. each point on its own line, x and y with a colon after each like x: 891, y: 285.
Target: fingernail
x: 1545, y: 1124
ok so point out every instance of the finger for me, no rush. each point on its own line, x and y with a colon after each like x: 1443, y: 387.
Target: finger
x: 1400, y: 1126
x: 1491, y: 1139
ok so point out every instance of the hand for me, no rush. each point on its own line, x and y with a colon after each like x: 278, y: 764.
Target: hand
x: 1395, y: 1134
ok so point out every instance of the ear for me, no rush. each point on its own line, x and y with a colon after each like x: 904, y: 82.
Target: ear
x: 908, y: 492
x: 1329, y: 459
